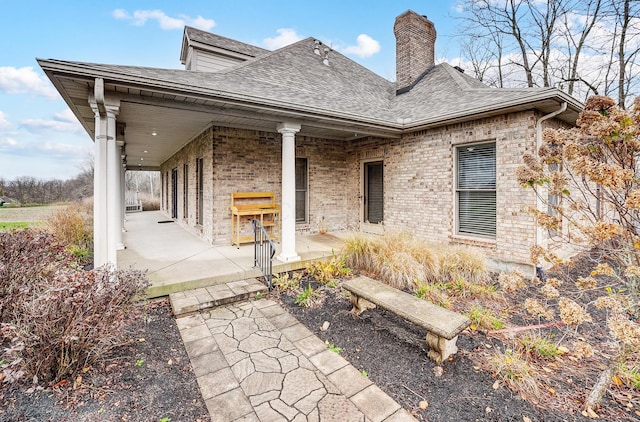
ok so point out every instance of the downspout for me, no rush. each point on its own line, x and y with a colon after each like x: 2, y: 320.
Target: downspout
x: 539, y: 203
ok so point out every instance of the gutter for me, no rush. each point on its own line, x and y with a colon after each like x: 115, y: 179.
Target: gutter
x: 539, y: 204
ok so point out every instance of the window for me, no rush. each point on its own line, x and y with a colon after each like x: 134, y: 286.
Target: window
x: 476, y: 190
x: 200, y: 189
x: 185, y: 191
x: 301, y: 190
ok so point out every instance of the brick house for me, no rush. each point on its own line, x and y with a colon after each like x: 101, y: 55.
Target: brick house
x: 433, y: 154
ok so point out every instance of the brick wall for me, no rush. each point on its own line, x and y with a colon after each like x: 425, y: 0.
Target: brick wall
x: 246, y: 160
x: 419, y: 192
x: 200, y: 147
x: 419, y: 182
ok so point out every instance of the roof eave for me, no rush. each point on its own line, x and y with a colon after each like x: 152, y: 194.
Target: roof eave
x: 529, y: 102
x: 53, y: 67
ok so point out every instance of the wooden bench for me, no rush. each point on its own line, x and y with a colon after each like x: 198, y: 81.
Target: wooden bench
x: 442, y: 325
x: 250, y: 205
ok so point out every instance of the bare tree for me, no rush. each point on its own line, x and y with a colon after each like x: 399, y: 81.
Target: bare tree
x: 626, y: 16
x: 576, y: 39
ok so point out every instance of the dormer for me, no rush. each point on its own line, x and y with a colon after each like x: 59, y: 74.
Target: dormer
x: 206, y: 52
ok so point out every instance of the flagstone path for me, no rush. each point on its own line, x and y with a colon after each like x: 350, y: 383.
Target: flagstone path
x: 255, y: 362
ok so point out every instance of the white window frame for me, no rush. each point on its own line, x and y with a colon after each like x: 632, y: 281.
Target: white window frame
x: 484, y: 234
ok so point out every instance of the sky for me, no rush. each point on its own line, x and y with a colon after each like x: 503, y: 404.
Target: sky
x: 40, y: 137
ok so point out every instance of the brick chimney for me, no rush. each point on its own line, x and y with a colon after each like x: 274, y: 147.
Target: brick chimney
x: 415, y: 46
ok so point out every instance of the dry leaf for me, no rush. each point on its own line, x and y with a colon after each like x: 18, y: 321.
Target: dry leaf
x: 496, y: 385
x: 563, y: 349
x: 545, y: 369
x: 477, y: 368
x: 551, y: 390
x: 616, y: 380
x: 438, y: 371
x: 423, y: 404
x: 170, y: 362
x: 488, y: 346
x: 141, y: 340
x: 525, y: 419
x: 77, y: 382
x: 488, y: 409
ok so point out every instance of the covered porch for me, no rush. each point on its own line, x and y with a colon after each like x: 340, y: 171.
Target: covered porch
x: 177, y: 260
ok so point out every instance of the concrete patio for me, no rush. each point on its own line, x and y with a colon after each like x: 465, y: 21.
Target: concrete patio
x: 177, y: 260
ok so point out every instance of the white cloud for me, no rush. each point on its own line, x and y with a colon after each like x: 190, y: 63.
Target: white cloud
x: 60, y: 149
x: 7, y: 143
x: 5, y: 124
x: 66, y: 116
x: 366, y: 47
x: 285, y: 36
x: 40, y: 125
x: 25, y: 80
x: 140, y: 17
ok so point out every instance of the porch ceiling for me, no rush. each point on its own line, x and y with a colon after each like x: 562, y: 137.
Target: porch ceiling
x: 177, y: 119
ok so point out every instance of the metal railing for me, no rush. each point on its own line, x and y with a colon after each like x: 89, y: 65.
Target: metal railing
x: 263, y: 251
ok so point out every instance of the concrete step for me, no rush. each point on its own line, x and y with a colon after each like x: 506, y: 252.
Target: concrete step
x: 203, y: 298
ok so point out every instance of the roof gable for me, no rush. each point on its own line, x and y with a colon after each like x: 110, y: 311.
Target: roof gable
x: 212, y: 42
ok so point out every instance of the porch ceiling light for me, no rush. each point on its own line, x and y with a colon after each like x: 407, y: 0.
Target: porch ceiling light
x: 154, y: 133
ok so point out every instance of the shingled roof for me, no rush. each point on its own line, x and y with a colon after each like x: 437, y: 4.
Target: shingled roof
x: 296, y: 78
x: 218, y: 41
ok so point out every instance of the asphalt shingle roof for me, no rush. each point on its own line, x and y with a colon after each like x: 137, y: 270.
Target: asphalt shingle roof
x: 219, y: 41
x: 296, y: 78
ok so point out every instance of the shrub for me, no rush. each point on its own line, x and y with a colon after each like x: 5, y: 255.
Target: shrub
x: 485, y: 318
x: 327, y: 271
x: 28, y: 258
x: 539, y: 346
x: 58, y: 318
x: 515, y: 371
x: 307, y: 297
x: 73, y: 227
x: 287, y: 282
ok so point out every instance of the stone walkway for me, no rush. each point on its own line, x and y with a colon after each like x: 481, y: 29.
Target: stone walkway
x: 255, y: 362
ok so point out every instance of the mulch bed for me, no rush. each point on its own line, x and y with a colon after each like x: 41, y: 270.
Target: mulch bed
x: 150, y: 378
x: 393, y: 353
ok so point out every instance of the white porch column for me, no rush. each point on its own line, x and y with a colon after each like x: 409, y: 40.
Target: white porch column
x: 106, y: 184
x: 113, y: 187
x: 100, y: 192
x: 288, y: 215
x: 117, y: 169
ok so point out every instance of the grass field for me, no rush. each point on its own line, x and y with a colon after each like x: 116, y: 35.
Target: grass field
x: 27, y: 214
x: 11, y: 225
